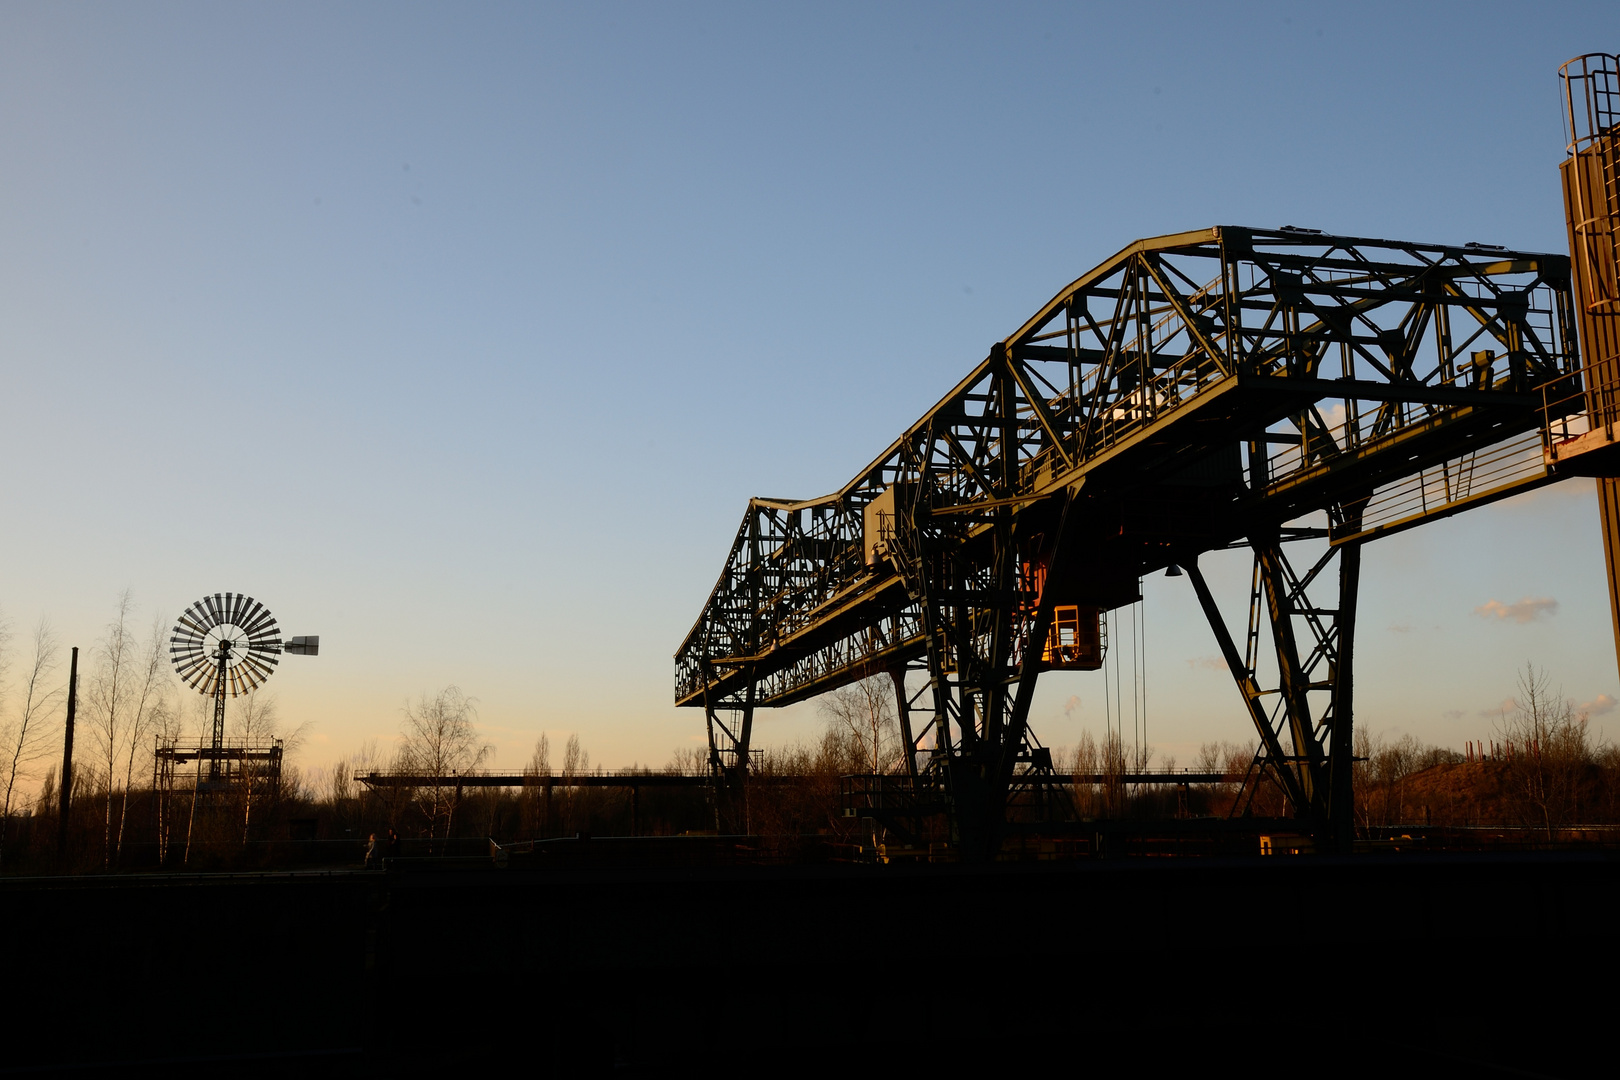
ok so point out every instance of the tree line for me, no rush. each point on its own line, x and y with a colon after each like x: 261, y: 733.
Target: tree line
x: 329, y: 815
x: 128, y: 703
x: 1550, y: 772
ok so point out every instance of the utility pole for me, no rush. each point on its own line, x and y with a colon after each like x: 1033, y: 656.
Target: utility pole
x: 67, y: 757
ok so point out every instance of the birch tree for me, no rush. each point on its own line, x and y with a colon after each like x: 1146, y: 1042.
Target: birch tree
x: 5, y: 672
x: 1087, y: 764
x: 108, y: 701
x: 393, y: 800
x: 258, y: 725
x: 1549, y: 752
x: 149, y: 711
x: 27, y: 735
x: 576, y: 762
x: 438, y: 740
x: 863, y: 714
x: 537, y: 795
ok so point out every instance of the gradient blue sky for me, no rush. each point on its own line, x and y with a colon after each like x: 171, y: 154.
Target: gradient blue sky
x: 460, y: 335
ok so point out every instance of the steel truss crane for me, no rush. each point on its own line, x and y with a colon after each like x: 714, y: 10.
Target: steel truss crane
x: 1290, y: 392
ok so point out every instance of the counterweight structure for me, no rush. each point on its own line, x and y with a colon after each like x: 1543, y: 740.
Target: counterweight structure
x: 1281, y: 390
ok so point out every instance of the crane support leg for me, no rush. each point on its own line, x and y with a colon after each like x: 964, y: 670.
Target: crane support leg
x: 1341, y: 808
x: 1292, y: 681
x: 1306, y: 733
x: 983, y: 630
x: 1608, y: 490
x: 902, y: 712
x: 1248, y: 686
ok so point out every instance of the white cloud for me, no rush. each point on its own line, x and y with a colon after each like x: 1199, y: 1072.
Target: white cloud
x: 1526, y: 610
x: 1208, y: 663
x: 1402, y: 628
x: 1599, y: 706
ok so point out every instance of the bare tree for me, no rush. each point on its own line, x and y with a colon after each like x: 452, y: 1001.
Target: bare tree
x: 863, y: 712
x: 1361, y: 772
x: 1380, y: 779
x: 369, y: 758
x: 8, y: 728
x: 256, y: 720
x: 108, y: 705
x: 393, y: 800
x: 150, y: 709
x: 1087, y: 764
x: 257, y: 724
x: 168, y: 728
x: 340, y: 782
x: 45, y: 798
x: 1111, y: 756
x: 688, y: 761
x: 536, y: 808
x: 27, y: 737
x: 576, y: 761
x: 439, y: 740
x: 195, y: 711
x: 5, y: 652
x: 1548, y: 751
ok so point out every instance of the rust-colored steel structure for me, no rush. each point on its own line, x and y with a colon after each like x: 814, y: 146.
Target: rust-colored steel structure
x: 1290, y: 392
x: 1591, y: 175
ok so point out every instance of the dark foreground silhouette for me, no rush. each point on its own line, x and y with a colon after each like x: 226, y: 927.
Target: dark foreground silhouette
x: 1448, y: 965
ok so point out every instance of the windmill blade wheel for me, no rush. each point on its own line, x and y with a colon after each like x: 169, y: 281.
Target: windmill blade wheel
x: 229, y: 626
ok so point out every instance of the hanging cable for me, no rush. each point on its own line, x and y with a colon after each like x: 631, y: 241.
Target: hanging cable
x: 1108, y: 698
x: 1119, y: 713
x: 1143, y: 605
x: 1136, y: 706
x: 1139, y: 682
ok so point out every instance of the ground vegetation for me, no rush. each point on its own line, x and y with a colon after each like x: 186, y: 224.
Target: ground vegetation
x: 1541, y: 776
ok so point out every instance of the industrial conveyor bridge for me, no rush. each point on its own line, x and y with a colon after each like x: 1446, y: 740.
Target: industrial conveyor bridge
x: 1294, y: 393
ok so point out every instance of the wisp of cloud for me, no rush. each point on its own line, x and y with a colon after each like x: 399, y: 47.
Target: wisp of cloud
x: 1526, y: 610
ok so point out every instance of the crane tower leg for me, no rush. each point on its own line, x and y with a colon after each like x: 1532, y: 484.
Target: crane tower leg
x: 983, y: 626
x: 1305, y: 718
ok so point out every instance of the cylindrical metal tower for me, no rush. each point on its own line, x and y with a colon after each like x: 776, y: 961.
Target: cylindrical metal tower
x: 1591, y: 173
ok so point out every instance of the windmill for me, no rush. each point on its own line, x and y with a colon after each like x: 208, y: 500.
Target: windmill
x: 229, y: 644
